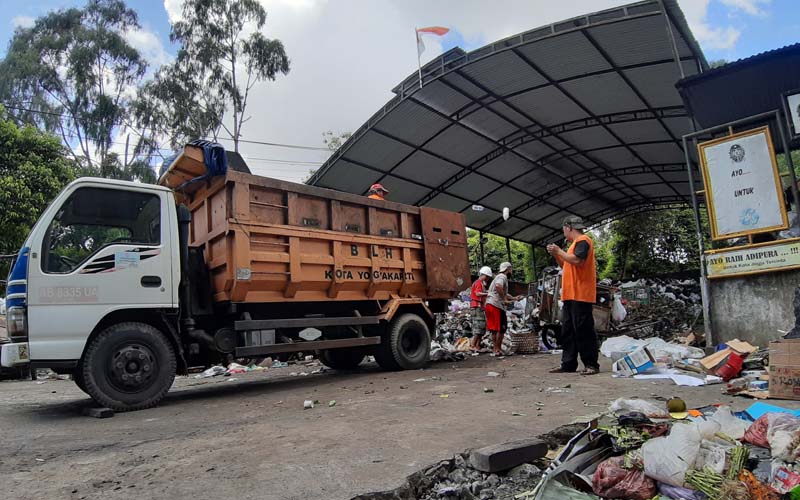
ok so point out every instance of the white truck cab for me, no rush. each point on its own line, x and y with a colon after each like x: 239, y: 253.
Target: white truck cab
x: 103, y: 252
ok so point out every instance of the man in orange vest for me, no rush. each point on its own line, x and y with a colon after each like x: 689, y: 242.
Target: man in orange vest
x: 579, y: 293
x: 377, y: 192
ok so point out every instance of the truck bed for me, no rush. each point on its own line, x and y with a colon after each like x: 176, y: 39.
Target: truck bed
x: 266, y: 240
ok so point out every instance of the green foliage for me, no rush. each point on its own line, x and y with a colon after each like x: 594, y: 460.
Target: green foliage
x: 717, y: 64
x: 647, y: 244
x: 335, y: 141
x: 494, y: 253
x: 223, y: 55
x: 32, y: 172
x: 71, y: 73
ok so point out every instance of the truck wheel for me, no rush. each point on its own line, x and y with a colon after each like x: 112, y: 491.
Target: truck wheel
x: 129, y: 366
x: 77, y: 376
x: 341, y: 359
x: 405, y: 345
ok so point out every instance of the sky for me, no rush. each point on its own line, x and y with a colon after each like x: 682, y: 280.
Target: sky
x: 346, y: 55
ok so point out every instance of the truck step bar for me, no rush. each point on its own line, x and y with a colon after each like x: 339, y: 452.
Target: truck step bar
x: 261, y: 350
x: 271, y: 324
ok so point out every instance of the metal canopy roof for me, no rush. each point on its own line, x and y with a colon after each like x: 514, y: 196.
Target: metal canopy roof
x: 579, y: 117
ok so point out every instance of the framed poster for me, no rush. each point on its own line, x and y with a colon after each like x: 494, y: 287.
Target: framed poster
x: 791, y: 108
x: 743, y: 188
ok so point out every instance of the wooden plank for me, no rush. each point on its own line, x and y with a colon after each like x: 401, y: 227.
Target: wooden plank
x: 306, y: 346
x: 295, y: 269
x: 325, y: 193
x: 336, y: 282
x: 324, y: 234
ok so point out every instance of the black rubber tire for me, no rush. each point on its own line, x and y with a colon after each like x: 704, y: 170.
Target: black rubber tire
x: 405, y: 345
x: 550, y: 338
x: 99, y: 365
x: 77, y: 376
x: 341, y: 359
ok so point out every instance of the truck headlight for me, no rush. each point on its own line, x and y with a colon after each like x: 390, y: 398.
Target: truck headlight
x: 16, y: 321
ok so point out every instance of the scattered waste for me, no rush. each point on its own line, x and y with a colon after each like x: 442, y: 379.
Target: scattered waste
x: 493, y: 374
x: 212, y: 372
x: 308, y: 404
x: 331, y: 403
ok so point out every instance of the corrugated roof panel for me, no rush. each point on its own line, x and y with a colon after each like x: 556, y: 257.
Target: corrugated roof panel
x: 532, y: 233
x: 504, y: 197
x: 441, y: 97
x: 444, y: 201
x: 636, y: 180
x: 548, y: 106
x: 353, y: 182
x: 615, y: 157
x: 461, y: 145
x: 426, y: 169
x: 589, y: 138
x: 604, y: 94
x: 412, y: 123
x: 660, y: 153
x: 402, y: 191
x: 565, y: 56
x: 510, y: 114
x: 535, y: 149
x: 506, y: 167
x: 473, y: 187
x: 634, y: 41
x: 656, y: 190
x: 639, y: 131
x: 679, y: 126
x: 465, y: 86
x: 503, y: 73
x: 657, y: 83
x: 489, y: 123
x: 538, y: 182
x: 378, y: 151
x: 479, y: 220
x: 511, y: 226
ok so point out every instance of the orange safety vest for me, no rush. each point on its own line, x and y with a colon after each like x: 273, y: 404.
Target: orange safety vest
x: 579, y: 282
x: 376, y: 196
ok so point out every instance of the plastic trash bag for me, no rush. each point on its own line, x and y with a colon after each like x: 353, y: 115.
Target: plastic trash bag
x: 618, y: 311
x: 758, y: 433
x: 783, y: 437
x: 711, y: 455
x: 667, y: 459
x: 651, y: 410
x: 612, y: 480
x: 729, y: 424
x: 679, y: 493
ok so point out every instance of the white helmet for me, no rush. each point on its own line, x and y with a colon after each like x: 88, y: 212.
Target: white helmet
x: 487, y: 271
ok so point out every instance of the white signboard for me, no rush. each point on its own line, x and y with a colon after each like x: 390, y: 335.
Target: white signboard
x: 743, y: 188
x: 793, y: 111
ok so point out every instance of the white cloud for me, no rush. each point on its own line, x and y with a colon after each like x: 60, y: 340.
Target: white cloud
x: 149, y: 46
x: 751, y: 7
x: 22, y: 21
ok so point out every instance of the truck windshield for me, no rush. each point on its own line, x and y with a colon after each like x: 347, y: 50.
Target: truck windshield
x: 94, y: 218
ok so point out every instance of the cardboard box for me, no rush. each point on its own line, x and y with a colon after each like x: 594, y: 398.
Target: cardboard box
x: 639, y: 361
x: 784, y: 369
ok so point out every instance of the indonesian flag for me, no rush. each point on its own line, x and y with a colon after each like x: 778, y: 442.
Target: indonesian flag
x: 432, y: 30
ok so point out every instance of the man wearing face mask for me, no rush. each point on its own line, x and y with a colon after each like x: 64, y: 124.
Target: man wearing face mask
x: 579, y: 293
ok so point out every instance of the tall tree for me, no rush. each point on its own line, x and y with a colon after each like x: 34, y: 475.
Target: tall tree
x: 73, y: 72
x: 32, y: 172
x: 223, y: 55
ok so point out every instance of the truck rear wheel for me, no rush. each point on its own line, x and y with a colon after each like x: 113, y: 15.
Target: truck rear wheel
x: 405, y: 345
x: 129, y: 366
x: 341, y: 359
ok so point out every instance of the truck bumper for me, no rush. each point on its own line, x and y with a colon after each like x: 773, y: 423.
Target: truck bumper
x: 14, y: 354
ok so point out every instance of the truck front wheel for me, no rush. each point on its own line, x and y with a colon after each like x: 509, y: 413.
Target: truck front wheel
x: 341, y: 359
x: 405, y: 345
x: 128, y: 366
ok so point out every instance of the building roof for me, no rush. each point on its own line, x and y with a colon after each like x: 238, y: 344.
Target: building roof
x: 743, y: 88
x: 579, y: 117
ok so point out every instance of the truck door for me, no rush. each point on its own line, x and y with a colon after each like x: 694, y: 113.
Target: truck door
x: 103, y: 249
x: 446, y: 255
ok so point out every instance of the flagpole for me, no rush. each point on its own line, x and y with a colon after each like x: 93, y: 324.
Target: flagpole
x: 419, y: 63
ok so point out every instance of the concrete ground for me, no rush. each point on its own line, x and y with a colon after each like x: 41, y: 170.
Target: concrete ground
x: 251, y: 438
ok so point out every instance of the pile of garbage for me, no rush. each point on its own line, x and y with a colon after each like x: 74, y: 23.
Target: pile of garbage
x: 739, y: 364
x: 643, y: 451
x: 676, y: 305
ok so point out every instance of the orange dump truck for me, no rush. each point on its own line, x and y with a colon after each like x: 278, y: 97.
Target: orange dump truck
x: 216, y: 264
